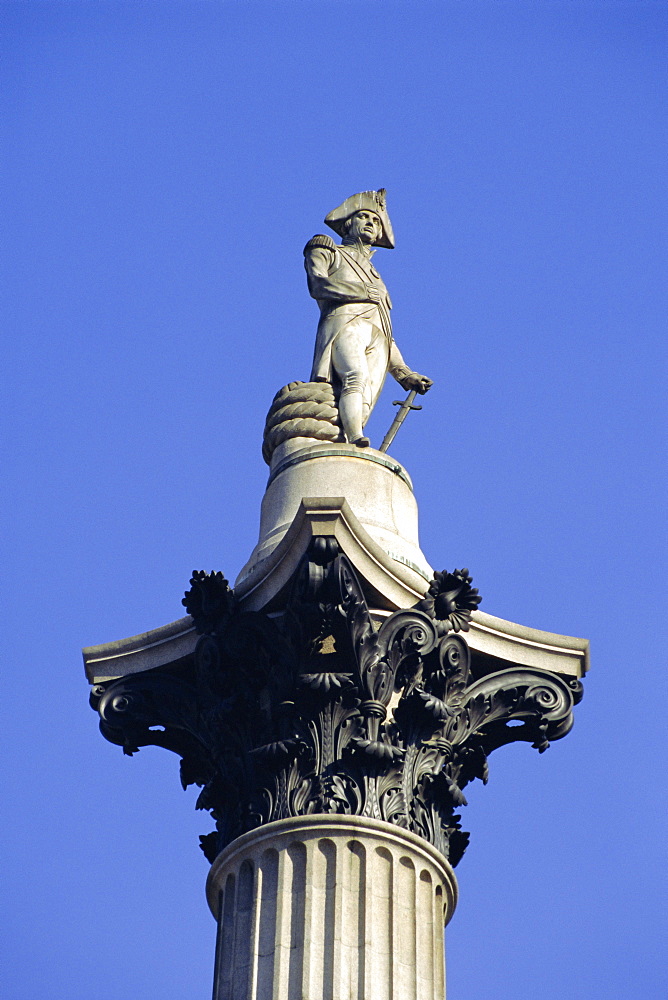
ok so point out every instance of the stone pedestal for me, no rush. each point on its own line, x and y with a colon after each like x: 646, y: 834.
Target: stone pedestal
x: 330, y: 908
x: 377, y: 489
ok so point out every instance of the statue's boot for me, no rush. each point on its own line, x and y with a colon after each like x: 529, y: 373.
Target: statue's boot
x: 351, y: 408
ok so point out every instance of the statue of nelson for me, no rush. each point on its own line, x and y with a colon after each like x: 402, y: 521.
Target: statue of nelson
x: 354, y: 348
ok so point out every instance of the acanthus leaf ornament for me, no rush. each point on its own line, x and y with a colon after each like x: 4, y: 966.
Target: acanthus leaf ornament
x: 209, y: 601
x: 450, y: 600
x: 290, y: 715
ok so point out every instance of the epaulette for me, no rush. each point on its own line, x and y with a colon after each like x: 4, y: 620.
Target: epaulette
x: 320, y: 241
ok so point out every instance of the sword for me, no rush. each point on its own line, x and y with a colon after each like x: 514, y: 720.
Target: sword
x: 404, y: 408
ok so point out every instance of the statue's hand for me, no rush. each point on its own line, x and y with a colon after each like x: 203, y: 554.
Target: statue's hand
x: 374, y: 293
x: 415, y: 381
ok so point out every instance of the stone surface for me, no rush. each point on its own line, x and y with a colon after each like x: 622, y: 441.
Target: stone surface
x: 391, y: 583
x: 377, y: 489
x: 121, y: 657
x: 330, y: 908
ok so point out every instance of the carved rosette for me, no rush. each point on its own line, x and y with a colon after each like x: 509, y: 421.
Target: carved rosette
x: 324, y: 710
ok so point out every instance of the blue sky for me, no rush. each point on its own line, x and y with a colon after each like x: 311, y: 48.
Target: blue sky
x: 164, y: 164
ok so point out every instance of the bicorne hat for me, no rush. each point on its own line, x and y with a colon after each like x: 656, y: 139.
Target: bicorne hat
x: 367, y: 201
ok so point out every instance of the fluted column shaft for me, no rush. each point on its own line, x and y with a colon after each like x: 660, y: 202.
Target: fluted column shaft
x: 330, y: 908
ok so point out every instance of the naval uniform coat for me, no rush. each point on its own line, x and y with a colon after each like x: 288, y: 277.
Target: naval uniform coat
x: 340, y: 279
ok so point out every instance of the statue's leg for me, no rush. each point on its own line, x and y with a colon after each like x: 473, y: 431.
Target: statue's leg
x: 349, y: 361
x: 377, y: 357
x: 351, y: 408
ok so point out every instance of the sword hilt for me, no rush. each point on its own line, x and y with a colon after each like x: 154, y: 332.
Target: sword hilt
x: 407, y: 406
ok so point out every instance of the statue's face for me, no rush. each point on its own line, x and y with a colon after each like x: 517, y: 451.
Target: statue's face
x: 365, y: 226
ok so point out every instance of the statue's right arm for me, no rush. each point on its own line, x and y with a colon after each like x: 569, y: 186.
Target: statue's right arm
x: 407, y: 378
x: 322, y: 265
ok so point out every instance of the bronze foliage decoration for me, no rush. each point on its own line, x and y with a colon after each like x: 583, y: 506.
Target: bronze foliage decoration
x: 327, y: 708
